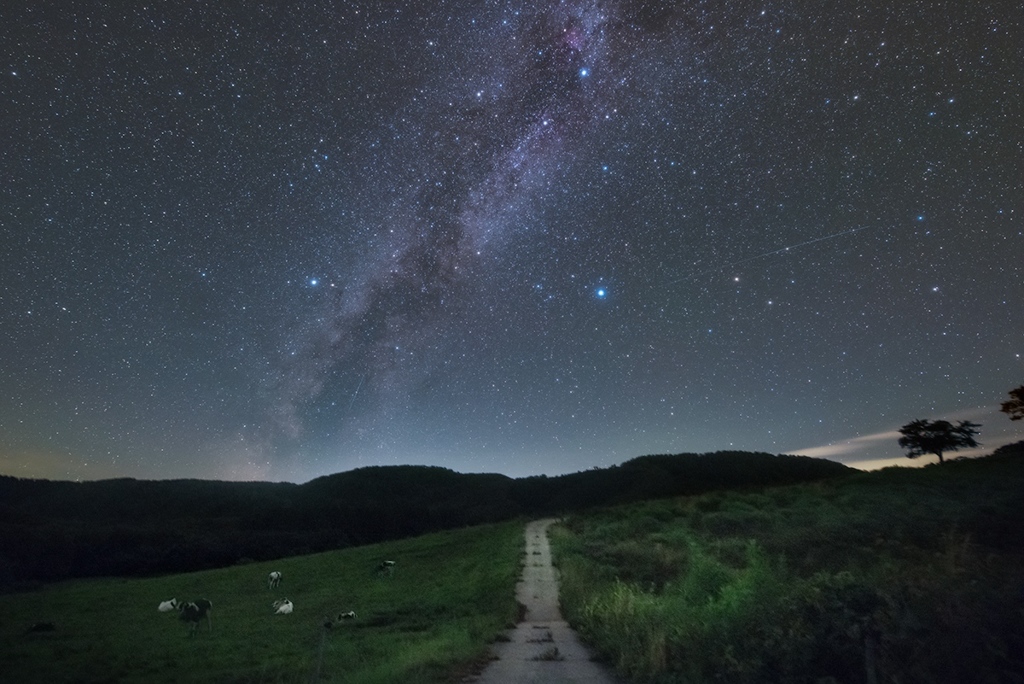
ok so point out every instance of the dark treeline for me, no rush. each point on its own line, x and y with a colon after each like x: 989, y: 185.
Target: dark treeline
x: 52, y: 530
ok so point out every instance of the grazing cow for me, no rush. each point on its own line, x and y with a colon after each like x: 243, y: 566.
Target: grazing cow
x: 194, y: 611
x: 282, y: 607
x: 168, y: 606
x: 386, y: 568
x: 274, y: 580
x: 350, y: 615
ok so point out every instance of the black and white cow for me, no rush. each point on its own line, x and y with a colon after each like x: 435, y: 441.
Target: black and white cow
x: 193, y: 612
x: 342, y: 617
x: 168, y: 606
x: 274, y: 580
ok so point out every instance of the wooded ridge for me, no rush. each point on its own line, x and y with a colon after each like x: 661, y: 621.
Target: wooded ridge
x: 53, y: 530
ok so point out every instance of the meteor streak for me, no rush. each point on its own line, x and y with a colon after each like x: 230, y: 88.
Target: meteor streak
x: 766, y: 254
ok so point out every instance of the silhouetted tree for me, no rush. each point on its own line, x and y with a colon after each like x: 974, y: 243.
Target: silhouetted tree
x: 1015, y: 407
x: 937, y: 437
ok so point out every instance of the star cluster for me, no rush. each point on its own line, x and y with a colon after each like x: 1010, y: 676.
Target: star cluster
x: 277, y: 242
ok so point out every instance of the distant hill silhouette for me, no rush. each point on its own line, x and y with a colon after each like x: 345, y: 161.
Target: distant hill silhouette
x: 51, y: 530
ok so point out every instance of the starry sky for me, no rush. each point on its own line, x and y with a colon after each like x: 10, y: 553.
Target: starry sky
x: 280, y: 240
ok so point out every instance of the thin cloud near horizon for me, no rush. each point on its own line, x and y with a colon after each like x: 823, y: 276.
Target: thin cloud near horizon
x: 880, y: 449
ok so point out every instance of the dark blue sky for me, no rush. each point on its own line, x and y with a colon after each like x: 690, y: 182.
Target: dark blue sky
x: 243, y: 240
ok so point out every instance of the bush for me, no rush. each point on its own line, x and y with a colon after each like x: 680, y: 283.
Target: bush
x: 916, y: 576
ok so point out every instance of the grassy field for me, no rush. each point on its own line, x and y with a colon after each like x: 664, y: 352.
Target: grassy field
x: 903, y: 575
x: 449, y: 596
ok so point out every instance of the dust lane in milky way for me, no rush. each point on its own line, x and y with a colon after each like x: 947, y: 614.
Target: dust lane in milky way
x: 486, y: 165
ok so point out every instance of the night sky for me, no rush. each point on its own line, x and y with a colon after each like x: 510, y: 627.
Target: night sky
x: 280, y: 240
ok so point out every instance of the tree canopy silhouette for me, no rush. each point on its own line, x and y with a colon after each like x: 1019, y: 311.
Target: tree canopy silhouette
x: 56, y: 530
x: 1015, y: 406
x: 937, y: 437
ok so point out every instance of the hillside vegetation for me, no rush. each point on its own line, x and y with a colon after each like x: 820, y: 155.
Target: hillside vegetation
x: 430, y: 621
x: 58, y: 530
x: 902, y: 575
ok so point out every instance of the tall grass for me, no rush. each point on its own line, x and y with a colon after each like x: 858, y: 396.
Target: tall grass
x: 450, y: 595
x: 888, y: 577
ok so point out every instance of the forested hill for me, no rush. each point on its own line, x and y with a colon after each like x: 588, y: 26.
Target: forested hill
x: 52, y: 530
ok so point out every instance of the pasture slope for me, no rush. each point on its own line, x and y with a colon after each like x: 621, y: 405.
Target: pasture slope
x: 903, y: 575
x: 430, y: 620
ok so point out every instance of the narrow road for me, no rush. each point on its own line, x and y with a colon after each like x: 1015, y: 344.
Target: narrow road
x: 542, y: 649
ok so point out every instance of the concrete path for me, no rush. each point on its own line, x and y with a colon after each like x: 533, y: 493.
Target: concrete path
x: 542, y: 649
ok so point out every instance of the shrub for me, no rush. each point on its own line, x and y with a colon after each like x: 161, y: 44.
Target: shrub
x: 914, y: 576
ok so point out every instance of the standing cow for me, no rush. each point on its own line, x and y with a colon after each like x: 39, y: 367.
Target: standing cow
x: 193, y: 612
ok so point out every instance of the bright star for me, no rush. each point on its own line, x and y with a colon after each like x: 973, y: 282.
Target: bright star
x: 314, y: 282
x: 601, y: 293
x: 584, y: 72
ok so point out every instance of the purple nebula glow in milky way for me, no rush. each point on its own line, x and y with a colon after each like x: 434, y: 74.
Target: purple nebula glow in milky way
x: 493, y: 156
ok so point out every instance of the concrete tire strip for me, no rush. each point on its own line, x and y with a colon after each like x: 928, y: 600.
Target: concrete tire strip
x: 542, y: 649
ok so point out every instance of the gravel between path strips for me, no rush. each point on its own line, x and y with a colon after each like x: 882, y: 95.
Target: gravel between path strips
x: 542, y: 649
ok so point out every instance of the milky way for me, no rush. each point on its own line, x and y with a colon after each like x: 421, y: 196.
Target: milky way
x: 488, y: 152
x: 527, y: 238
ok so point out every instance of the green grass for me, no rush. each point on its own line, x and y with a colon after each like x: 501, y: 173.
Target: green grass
x: 450, y: 595
x: 917, y: 575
